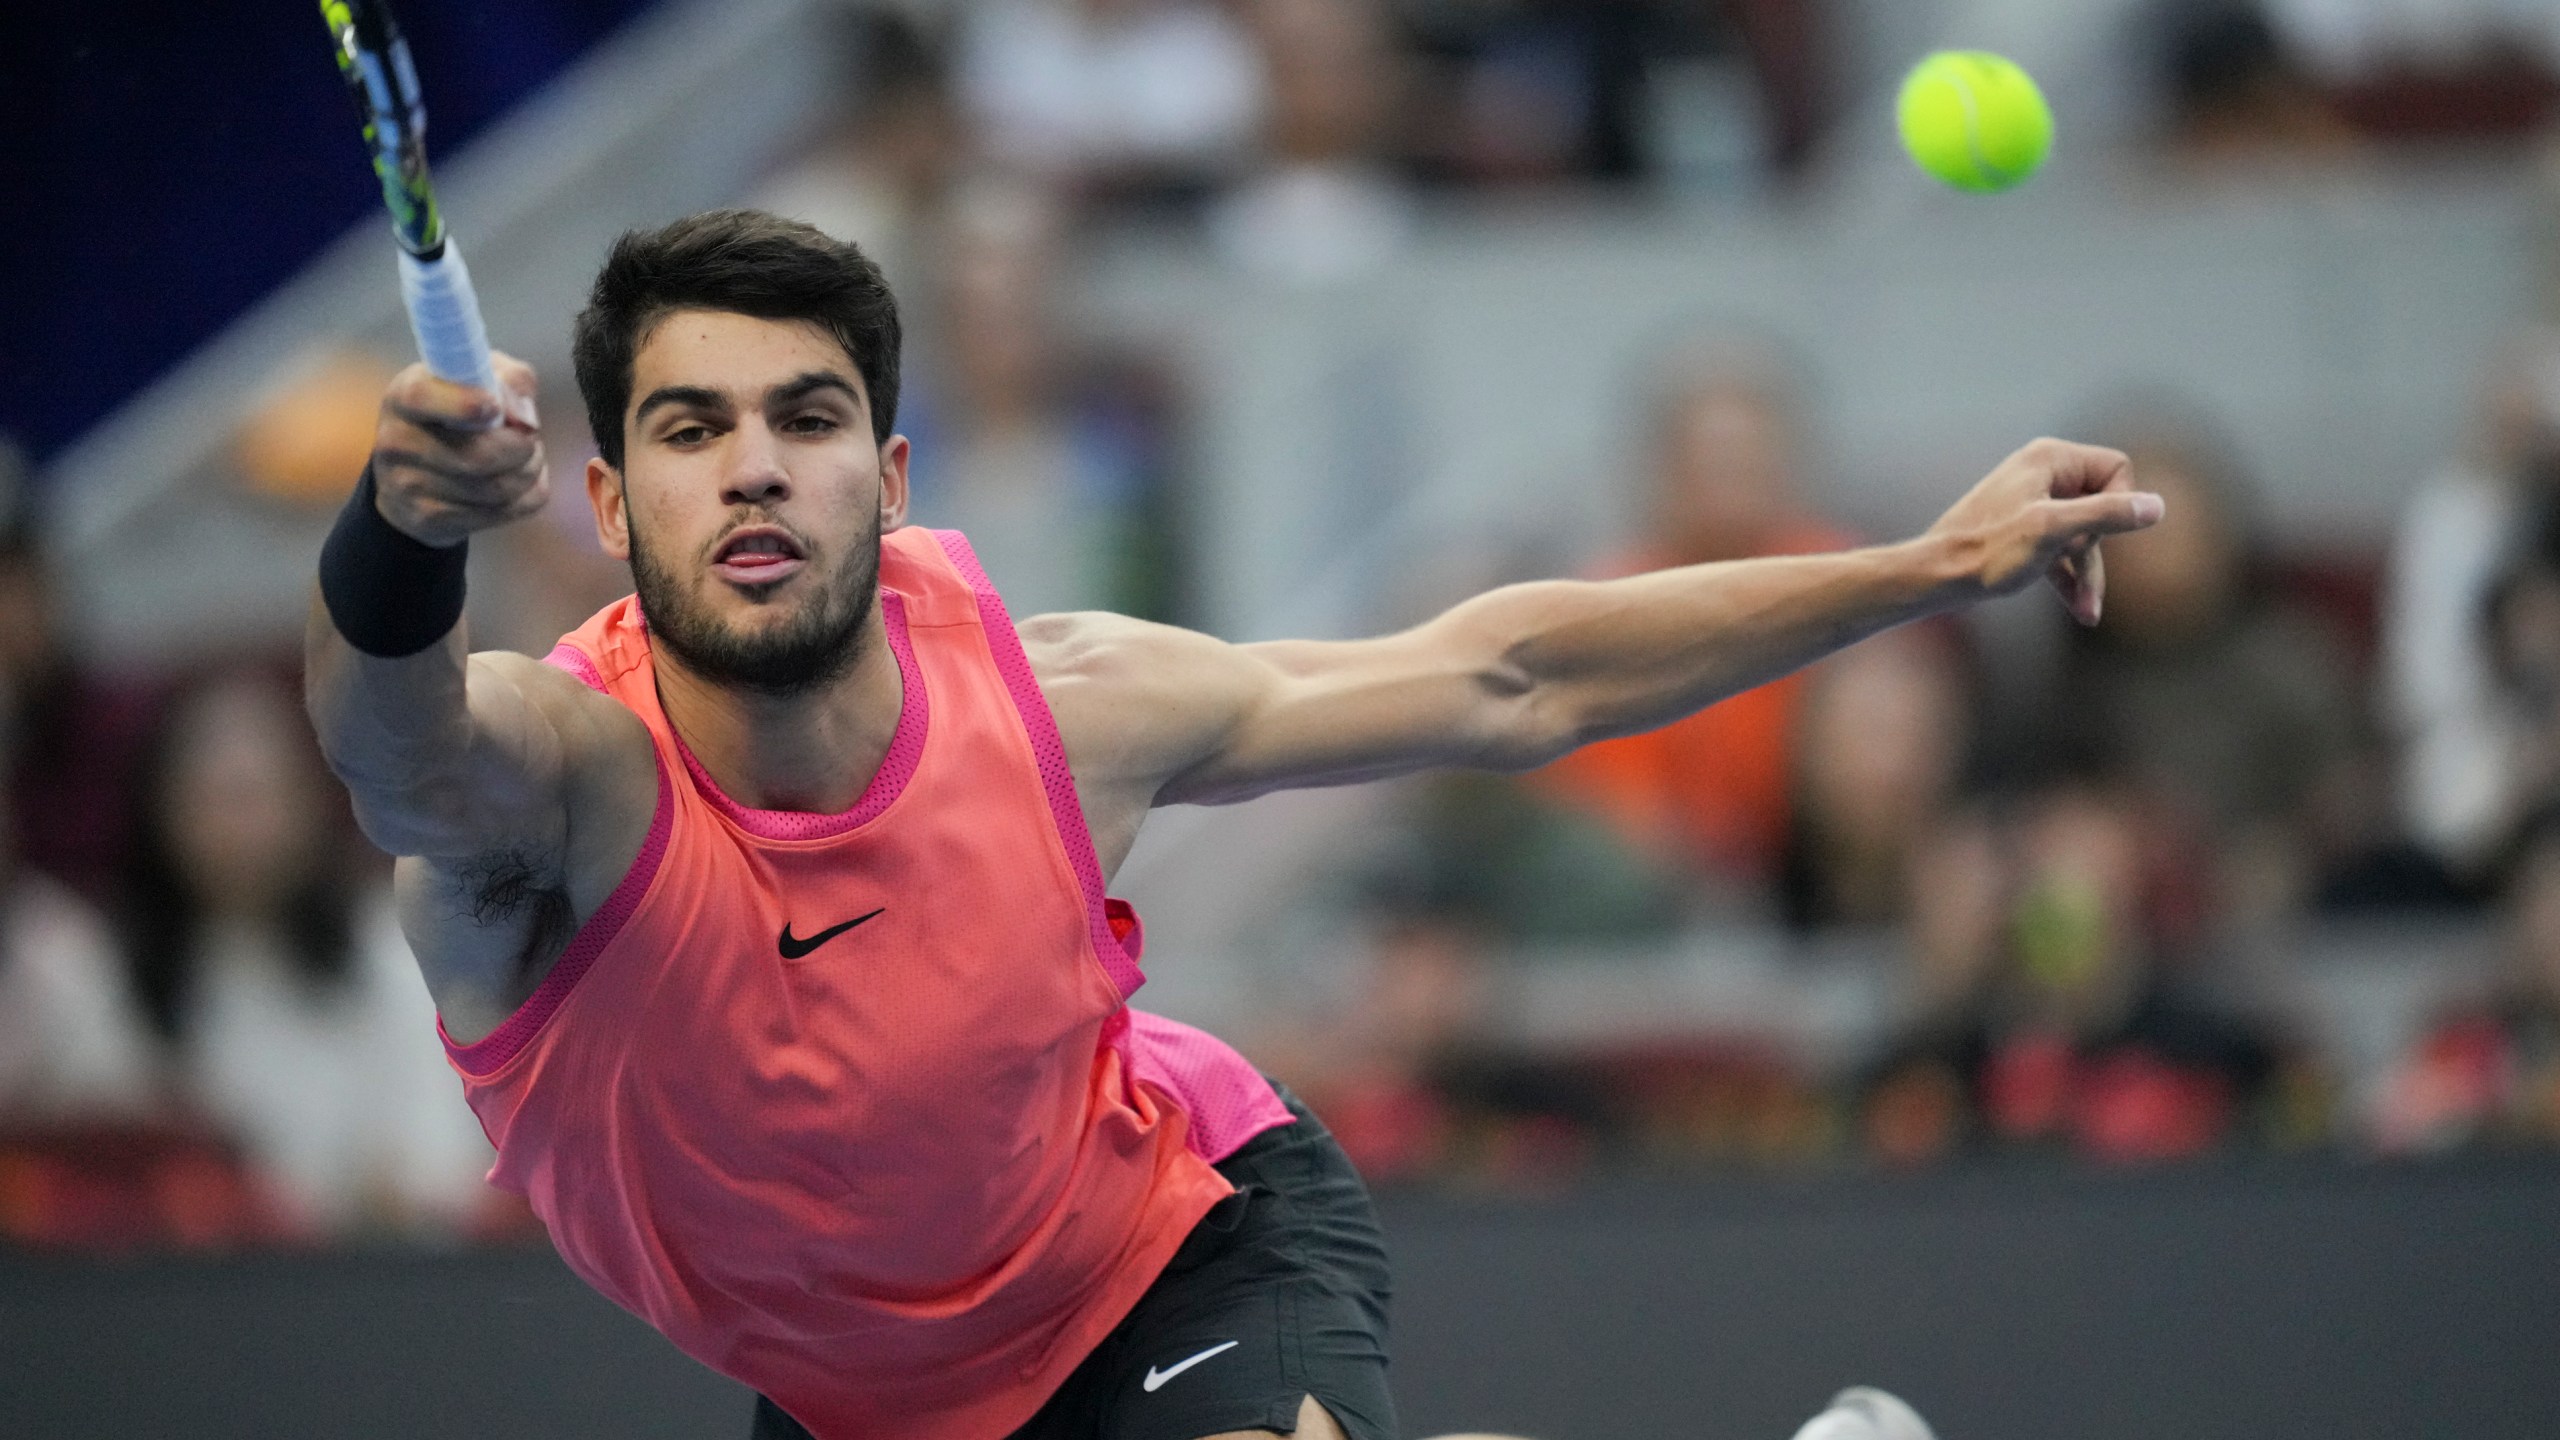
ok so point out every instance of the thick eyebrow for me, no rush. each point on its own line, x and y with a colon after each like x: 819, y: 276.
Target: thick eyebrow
x: 700, y: 397
x: 703, y: 397
x: 809, y: 382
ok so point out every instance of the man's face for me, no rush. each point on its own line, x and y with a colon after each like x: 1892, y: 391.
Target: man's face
x: 2174, y: 581
x: 1726, y: 471
x: 751, y: 499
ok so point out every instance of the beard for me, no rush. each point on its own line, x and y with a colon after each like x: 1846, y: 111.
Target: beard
x: 810, y: 649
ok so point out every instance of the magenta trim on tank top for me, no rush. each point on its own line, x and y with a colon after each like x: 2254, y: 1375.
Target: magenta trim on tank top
x: 1050, y: 754
x: 485, y: 1056
x: 1226, y: 1099
x: 565, y: 656
x: 906, y: 750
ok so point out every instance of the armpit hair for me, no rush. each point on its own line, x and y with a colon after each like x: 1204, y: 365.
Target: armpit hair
x: 517, y: 886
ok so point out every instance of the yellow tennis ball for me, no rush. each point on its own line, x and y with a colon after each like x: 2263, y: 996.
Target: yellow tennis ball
x: 1974, y: 120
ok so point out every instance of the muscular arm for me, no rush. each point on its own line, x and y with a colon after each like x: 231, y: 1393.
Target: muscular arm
x: 507, y: 788
x: 1518, y: 676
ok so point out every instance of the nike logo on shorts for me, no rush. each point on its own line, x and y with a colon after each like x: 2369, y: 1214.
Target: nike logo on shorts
x: 1156, y: 1378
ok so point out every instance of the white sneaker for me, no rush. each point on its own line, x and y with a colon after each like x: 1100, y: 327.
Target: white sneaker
x: 1865, y: 1413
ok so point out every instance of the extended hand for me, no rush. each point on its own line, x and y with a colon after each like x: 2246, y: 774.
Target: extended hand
x: 451, y: 459
x: 2041, y: 513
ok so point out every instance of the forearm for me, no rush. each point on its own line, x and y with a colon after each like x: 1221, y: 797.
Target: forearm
x: 441, y: 752
x: 1599, y: 659
x: 1515, y: 678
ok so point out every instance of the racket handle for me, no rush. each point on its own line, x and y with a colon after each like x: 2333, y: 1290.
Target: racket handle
x: 445, y: 316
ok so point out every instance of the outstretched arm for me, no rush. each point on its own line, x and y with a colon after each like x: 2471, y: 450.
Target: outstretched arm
x: 1518, y: 676
x: 467, y: 766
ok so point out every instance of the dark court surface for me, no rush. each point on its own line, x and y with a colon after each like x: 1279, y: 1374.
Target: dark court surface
x: 2293, y: 1300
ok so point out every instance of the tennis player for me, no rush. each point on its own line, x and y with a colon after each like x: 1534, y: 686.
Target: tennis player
x: 767, y: 917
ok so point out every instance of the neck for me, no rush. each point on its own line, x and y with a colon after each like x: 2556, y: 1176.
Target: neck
x: 814, y: 752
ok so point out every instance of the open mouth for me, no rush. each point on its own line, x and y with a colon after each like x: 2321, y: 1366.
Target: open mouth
x: 758, y: 555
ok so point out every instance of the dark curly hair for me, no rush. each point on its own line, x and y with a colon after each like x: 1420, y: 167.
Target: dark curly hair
x: 744, y: 261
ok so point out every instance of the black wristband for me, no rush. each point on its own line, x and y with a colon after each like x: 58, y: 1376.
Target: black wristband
x: 388, y: 594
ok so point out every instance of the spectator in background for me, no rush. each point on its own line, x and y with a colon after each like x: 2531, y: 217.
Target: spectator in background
x: 1049, y: 455
x: 2231, y: 713
x: 880, y: 174
x: 2520, y: 624
x: 1422, y: 1078
x: 1116, y: 97
x: 2466, y: 744
x: 2063, y: 1022
x: 274, y: 973
x: 91, y: 1156
x: 1710, y: 792
x: 71, y: 734
x: 2470, y: 71
x: 73, y: 1049
x: 1420, y: 1003
x: 1881, y: 741
x: 2489, y: 1072
x: 2233, y: 89
x: 1546, y: 91
x: 1323, y: 204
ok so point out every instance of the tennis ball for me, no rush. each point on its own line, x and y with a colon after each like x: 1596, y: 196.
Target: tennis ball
x: 1974, y: 120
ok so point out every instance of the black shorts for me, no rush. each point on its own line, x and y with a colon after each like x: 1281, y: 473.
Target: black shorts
x: 1280, y: 1292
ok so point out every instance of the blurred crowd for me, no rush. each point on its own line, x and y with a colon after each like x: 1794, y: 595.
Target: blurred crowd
x: 2091, y: 866
x: 2081, y: 855
x: 211, y: 1032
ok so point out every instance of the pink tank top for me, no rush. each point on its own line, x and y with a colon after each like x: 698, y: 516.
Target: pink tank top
x: 853, y: 1107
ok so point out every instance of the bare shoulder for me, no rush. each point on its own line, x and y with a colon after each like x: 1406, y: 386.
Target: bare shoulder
x: 601, y: 754
x: 1099, y: 648
x: 592, y: 738
x: 553, y: 693
x: 1136, y: 702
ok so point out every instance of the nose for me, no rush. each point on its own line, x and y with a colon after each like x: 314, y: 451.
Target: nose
x: 754, y: 475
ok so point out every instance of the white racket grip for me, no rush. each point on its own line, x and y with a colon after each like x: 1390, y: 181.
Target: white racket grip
x: 445, y: 316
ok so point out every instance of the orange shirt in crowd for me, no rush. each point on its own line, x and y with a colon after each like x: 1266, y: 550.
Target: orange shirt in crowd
x: 1712, y: 789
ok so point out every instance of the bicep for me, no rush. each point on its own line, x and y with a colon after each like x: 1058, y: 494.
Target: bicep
x: 1156, y: 715
x: 1314, y: 713
x: 449, y: 760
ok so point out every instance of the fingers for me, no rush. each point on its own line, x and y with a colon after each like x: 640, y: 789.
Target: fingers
x: 451, y: 459
x: 446, y: 515
x: 2078, y: 571
x: 459, y: 453
x: 439, y: 511
x: 434, y: 425
x: 2072, y: 469
x: 2115, y: 512
x: 516, y: 379
x: 426, y: 399
x: 2079, y: 576
x: 430, y: 474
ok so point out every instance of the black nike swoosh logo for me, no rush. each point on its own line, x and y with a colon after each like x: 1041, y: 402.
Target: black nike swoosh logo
x: 793, y: 949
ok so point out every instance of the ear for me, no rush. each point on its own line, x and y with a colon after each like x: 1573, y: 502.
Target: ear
x: 893, y: 484
x: 613, y: 517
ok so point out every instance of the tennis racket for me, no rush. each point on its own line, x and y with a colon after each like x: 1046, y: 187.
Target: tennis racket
x: 444, y: 314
